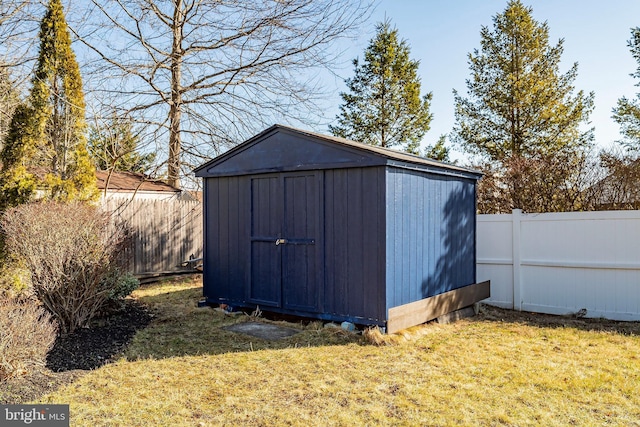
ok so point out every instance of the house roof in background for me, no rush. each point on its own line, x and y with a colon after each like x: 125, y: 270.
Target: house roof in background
x: 129, y: 181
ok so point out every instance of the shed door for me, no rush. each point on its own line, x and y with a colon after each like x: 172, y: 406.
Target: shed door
x: 284, y: 248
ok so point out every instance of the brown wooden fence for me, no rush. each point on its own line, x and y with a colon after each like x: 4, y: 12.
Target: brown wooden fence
x: 163, y: 233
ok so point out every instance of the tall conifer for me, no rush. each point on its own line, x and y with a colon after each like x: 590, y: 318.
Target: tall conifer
x: 383, y: 106
x: 46, y: 144
x: 522, y: 116
x: 627, y: 112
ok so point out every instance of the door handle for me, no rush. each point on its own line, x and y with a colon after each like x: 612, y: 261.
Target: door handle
x: 281, y: 241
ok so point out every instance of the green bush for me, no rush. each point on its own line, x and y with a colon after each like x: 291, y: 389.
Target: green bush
x: 69, y: 250
x: 121, y: 285
x: 27, y: 333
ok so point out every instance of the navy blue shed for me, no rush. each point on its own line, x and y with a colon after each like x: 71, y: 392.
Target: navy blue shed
x: 306, y: 224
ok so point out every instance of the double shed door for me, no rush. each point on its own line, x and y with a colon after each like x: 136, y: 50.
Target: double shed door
x: 286, y: 269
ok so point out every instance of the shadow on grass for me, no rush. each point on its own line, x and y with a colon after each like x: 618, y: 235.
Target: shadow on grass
x: 180, y: 328
x: 540, y: 320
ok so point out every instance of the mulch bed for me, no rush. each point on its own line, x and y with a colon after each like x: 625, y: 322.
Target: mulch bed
x: 75, y: 354
x: 90, y: 348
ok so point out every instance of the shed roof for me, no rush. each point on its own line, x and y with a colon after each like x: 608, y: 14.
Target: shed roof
x: 129, y: 181
x: 315, y: 150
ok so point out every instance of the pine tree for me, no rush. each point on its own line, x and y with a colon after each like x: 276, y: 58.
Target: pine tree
x: 621, y: 188
x: 17, y: 183
x: 521, y: 109
x: 114, y: 146
x: 627, y: 112
x: 46, y: 145
x: 439, y: 151
x: 383, y: 106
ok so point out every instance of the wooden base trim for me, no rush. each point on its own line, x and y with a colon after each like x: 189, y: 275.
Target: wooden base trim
x: 415, y: 313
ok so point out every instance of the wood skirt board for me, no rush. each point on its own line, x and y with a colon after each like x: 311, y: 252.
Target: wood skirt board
x: 415, y: 313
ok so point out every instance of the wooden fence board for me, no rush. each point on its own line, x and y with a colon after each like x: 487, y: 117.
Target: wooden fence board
x: 163, y: 233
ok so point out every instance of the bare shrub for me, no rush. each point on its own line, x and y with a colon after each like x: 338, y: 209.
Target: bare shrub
x: 27, y: 333
x: 620, y: 189
x: 556, y: 182
x: 69, y: 254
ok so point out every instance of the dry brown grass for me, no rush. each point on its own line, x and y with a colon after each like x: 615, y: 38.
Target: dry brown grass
x: 26, y: 335
x: 500, y: 368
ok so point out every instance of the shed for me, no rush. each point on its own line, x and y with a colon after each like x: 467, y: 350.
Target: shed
x: 301, y: 223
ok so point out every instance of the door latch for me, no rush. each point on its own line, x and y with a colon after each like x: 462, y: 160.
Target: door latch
x: 281, y: 241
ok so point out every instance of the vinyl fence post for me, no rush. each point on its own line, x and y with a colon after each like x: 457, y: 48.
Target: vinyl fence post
x: 516, y: 216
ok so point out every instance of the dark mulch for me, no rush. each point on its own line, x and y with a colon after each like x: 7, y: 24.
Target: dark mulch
x: 75, y: 354
x: 107, y: 337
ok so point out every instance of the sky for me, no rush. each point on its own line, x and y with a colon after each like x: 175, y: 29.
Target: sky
x: 441, y: 34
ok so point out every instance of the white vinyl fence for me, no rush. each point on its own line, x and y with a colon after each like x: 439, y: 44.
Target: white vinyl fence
x: 562, y: 263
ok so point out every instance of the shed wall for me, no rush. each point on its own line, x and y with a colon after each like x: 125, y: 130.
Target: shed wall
x: 430, y: 235
x: 227, y: 233
x: 354, y: 242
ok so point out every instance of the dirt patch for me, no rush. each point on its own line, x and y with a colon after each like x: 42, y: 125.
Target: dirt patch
x: 265, y: 331
x: 30, y: 387
x: 575, y: 320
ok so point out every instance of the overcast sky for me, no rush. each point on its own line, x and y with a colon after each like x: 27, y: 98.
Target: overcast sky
x: 441, y: 33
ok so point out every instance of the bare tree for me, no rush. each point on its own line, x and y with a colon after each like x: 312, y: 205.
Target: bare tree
x: 559, y: 182
x: 620, y: 188
x: 202, y: 74
x: 18, y: 33
x: 19, y: 22
x: 8, y: 102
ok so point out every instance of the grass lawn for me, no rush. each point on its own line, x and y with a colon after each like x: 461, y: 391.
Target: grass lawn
x: 500, y: 368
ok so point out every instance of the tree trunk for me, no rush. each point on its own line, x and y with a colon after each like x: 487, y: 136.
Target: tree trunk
x: 175, y: 110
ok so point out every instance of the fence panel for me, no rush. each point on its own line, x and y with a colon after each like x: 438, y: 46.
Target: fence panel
x: 562, y: 263
x: 164, y: 233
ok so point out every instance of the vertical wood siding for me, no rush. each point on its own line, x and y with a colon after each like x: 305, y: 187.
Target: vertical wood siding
x: 302, y: 257
x: 430, y: 235
x: 266, y: 218
x: 227, y: 271
x: 354, y: 242
x: 163, y: 233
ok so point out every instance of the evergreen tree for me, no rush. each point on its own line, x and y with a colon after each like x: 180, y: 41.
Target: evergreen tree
x: 114, y: 146
x: 621, y: 188
x: 46, y: 145
x: 627, y: 112
x: 439, y: 151
x: 17, y: 183
x: 521, y: 109
x: 383, y: 106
